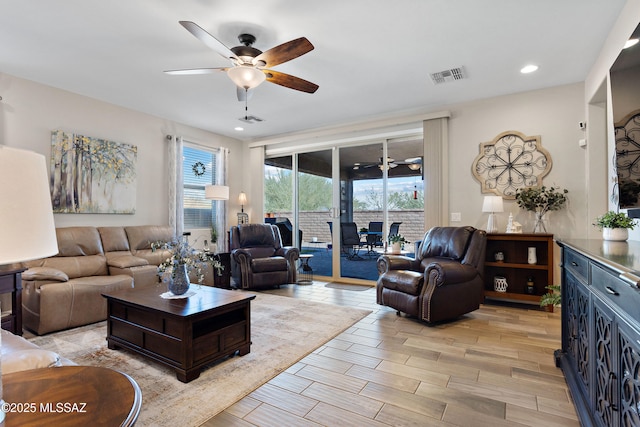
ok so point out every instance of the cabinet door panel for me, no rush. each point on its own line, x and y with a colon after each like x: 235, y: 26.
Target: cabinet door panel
x: 605, y: 381
x: 629, y: 372
x: 582, y: 341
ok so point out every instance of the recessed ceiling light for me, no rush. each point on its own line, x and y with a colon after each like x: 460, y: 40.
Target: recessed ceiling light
x: 630, y: 42
x: 239, y: 129
x: 529, y: 69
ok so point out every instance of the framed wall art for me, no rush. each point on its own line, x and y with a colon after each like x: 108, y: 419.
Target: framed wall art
x: 91, y: 175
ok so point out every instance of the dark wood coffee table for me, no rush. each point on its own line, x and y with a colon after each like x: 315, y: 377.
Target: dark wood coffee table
x: 184, y: 334
x: 70, y: 396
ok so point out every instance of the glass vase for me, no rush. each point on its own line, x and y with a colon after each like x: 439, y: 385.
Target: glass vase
x: 179, y: 280
x: 539, y: 225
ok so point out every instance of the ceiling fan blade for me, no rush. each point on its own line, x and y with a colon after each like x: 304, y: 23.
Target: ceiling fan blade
x: 284, y: 52
x: 244, y: 94
x: 206, y: 38
x: 196, y: 71
x: 290, y: 81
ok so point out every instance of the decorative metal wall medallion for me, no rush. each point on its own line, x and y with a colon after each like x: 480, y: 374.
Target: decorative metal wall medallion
x: 509, y: 162
x: 627, y: 133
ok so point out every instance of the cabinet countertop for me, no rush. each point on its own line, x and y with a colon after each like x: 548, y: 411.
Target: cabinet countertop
x: 621, y: 257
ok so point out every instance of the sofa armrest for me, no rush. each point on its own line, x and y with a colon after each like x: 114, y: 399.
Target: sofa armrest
x: 394, y: 262
x: 290, y: 253
x: 449, y: 273
x: 127, y: 261
x: 45, y: 273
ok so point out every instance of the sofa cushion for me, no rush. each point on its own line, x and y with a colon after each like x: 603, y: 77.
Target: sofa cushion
x: 78, y: 241
x: 405, y: 281
x: 256, y: 235
x: 264, y: 265
x: 114, y: 239
x: 75, y: 266
x: 125, y: 261
x: 45, y: 273
x: 446, y: 242
x: 140, y: 239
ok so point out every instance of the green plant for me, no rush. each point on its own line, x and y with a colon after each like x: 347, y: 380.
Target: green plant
x: 364, y: 230
x: 553, y: 297
x: 614, y: 220
x: 397, y: 238
x: 214, y: 234
x: 541, y: 200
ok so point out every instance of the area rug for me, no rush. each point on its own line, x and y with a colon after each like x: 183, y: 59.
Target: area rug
x: 347, y: 287
x: 283, y: 331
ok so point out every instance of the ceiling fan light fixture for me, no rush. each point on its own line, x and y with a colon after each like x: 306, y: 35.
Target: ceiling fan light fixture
x: 246, y: 77
x: 414, y: 166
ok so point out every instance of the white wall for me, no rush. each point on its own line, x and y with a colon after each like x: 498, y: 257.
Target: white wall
x: 552, y: 113
x: 30, y: 111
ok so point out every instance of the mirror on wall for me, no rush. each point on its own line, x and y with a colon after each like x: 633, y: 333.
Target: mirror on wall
x: 625, y: 95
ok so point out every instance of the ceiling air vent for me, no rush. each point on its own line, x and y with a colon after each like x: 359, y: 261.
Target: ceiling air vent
x: 250, y: 119
x: 450, y: 75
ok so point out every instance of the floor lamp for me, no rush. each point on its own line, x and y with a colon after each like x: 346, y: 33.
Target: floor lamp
x: 492, y: 204
x: 27, y: 229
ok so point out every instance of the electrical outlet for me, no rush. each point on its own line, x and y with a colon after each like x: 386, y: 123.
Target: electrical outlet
x: 456, y: 217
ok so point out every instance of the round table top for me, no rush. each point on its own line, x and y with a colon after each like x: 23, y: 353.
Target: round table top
x: 70, y: 396
x: 305, y: 256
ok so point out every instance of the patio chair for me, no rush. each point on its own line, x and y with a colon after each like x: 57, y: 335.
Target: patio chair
x: 394, y: 229
x: 374, y: 237
x: 350, y: 240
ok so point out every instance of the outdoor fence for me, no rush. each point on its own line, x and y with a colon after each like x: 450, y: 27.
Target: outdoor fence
x: 314, y: 223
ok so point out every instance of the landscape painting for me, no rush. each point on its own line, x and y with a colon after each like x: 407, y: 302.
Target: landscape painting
x: 91, y: 175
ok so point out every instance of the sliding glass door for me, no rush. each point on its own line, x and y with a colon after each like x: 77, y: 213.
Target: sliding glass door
x: 340, y: 204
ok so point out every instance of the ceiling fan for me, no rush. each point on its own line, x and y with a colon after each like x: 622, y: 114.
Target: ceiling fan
x: 413, y: 163
x: 251, y: 66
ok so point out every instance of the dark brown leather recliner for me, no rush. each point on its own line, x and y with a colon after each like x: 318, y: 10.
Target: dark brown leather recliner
x: 258, y: 259
x: 444, y: 281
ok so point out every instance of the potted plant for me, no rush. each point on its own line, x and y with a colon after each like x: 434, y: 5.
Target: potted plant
x: 541, y: 200
x: 397, y: 242
x: 615, y: 226
x: 551, y: 298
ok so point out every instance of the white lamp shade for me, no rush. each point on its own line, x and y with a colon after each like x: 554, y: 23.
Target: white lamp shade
x: 27, y: 229
x: 216, y: 192
x: 246, y: 77
x: 242, y: 198
x: 492, y: 204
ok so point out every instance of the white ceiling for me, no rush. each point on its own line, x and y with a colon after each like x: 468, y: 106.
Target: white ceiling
x: 372, y: 58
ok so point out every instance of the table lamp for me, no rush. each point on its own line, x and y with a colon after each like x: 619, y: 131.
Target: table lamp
x: 27, y: 229
x: 243, y: 218
x: 492, y: 204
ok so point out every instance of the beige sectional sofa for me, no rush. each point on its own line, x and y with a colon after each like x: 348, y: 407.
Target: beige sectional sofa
x: 65, y: 290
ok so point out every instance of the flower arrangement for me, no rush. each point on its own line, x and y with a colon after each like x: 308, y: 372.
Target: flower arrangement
x: 613, y: 219
x: 541, y: 200
x: 183, y: 254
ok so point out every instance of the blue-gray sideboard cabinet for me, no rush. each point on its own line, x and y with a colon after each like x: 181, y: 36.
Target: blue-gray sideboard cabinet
x: 600, y: 354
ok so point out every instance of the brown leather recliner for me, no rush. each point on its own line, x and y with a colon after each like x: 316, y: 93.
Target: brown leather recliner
x: 258, y: 259
x: 444, y: 281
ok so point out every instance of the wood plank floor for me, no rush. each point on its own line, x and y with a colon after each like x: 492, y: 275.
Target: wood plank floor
x: 492, y: 367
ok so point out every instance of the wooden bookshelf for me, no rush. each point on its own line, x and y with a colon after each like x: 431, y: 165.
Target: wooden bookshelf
x: 515, y: 267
